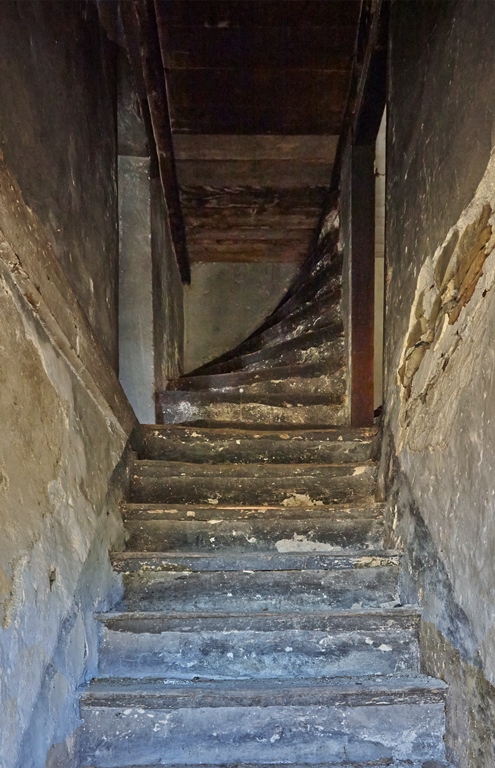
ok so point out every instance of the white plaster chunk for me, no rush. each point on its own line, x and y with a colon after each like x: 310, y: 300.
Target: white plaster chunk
x: 300, y: 543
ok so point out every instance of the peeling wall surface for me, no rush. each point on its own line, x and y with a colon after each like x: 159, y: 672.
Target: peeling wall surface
x: 439, y: 428
x: 226, y: 302
x: 57, y: 135
x: 65, y: 420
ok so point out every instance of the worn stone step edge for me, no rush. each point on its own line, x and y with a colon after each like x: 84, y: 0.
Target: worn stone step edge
x: 405, y: 618
x: 247, y: 445
x: 202, y: 398
x: 234, y: 513
x: 284, y: 351
x: 246, y: 378
x: 385, y: 763
x: 326, y: 432
x: 155, y: 693
x: 130, y: 562
x: 142, y: 468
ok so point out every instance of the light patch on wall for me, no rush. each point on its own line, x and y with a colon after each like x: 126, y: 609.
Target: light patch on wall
x: 445, y: 321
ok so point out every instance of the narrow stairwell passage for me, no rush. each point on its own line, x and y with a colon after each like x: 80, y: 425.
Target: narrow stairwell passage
x: 260, y: 622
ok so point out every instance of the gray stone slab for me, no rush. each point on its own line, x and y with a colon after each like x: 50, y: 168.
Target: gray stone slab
x: 222, y: 649
x: 294, y: 485
x: 172, y: 512
x: 242, y: 445
x: 251, y: 535
x: 280, y: 411
x: 129, y: 562
x: 271, y: 722
x: 261, y: 590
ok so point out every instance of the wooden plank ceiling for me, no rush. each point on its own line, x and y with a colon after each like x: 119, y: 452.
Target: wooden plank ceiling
x: 256, y: 95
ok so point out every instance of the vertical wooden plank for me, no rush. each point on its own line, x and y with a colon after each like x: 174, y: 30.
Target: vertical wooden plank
x: 143, y: 44
x: 362, y: 284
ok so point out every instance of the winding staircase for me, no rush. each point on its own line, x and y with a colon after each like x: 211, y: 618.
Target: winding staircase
x: 260, y: 621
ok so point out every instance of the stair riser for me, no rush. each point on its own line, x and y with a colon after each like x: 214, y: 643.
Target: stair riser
x: 230, y: 560
x: 189, y: 412
x: 232, y: 654
x: 264, y: 590
x: 312, y: 347
x: 372, y: 764
x: 333, y: 387
x: 154, y: 485
x: 232, y: 735
x: 319, y: 535
x: 254, y: 451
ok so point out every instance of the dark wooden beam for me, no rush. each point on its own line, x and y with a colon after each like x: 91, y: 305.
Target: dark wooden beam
x: 139, y: 22
x: 237, y: 13
x: 367, y: 91
x: 362, y: 284
x: 257, y: 101
x: 312, y: 149
x: 249, y: 252
x: 270, y: 173
x: 193, y: 46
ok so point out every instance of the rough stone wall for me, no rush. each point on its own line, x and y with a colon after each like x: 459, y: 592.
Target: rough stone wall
x: 65, y: 420
x: 57, y: 135
x: 439, y: 426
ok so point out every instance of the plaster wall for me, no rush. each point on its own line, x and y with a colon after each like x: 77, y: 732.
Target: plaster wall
x: 58, y: 136
x: 65, y: 420
x: 151, y: 313
x: 439, y: 426
x: 226, y: 302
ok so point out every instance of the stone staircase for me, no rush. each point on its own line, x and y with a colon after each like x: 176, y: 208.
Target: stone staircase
x: 260, y: 622
x: 291, y: 371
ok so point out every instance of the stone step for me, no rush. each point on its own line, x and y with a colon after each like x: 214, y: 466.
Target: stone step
x: 385, y: 763
x: 311, y: 347
x: 205, y: 408
x: 326, y: 721
x: 329, y: 316
x: 298, y: 324
x: 265, y: 484
x: 130, y: 562
x: 242, y: 378
x: 197, y: 444
x: 157, y: 530
x: 366, y: 584
x: 284, y: 382
x: 262, y: 645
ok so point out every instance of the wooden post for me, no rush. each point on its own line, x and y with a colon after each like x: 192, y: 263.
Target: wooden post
x: 362, y: 284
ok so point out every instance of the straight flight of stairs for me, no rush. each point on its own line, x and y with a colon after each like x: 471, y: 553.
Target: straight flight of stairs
x: 260, y: 622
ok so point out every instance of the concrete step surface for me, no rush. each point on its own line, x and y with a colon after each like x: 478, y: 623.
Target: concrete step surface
x: 206, y: 408
x: 384, y: 763
x: 131, y: 562
x: 189, y: 444
x: 329, y: 721
x: 157, y: 531
x: 251, y: 484
x: 375, y: 585
x: 262, y: 645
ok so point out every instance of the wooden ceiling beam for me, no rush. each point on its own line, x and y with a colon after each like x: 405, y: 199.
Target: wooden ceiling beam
x: 279, y: 102
x: 270, y: 173
x: 240, y: 13
x: 250, y: 252
x: 200, y: 47
x: 315, y: 149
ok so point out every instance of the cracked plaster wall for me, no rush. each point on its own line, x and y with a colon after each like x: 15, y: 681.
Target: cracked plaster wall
x: 439, y: 426
x: 58, y: 137
x: 65, y: 420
